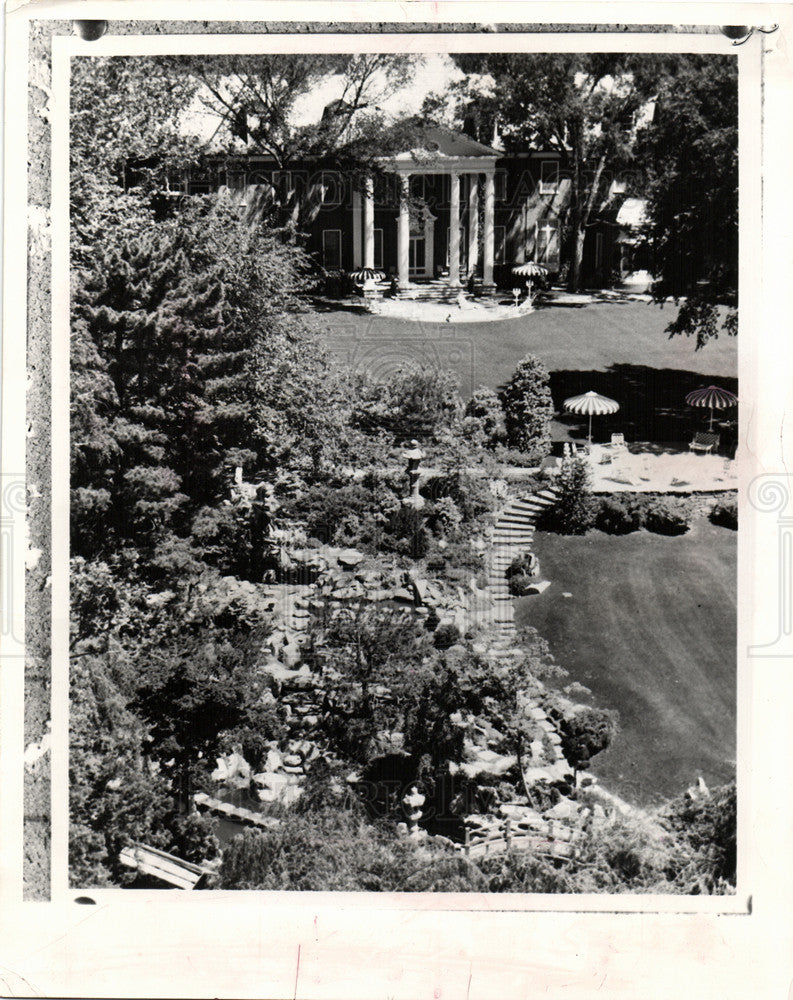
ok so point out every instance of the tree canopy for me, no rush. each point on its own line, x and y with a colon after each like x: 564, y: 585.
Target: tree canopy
x: 584, y: 107
x: 690, y: 153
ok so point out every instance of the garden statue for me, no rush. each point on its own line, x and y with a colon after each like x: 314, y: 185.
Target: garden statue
x: 413, y: 455
x: 522, y: 573
x: 412, y: 804
x: 532, y: 564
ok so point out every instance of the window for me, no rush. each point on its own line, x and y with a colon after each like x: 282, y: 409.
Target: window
x: 500, y: 179
x: 331, y: 248
x: 378, y: 249
x: 549, y: 176
x: 499, y: 244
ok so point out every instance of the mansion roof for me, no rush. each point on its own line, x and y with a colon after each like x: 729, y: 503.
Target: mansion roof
x: 445, y: 142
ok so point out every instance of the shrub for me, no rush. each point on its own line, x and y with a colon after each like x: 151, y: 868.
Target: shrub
x: 512, y: 456
x: 344, y: 515
x: 586, y: 733
x: 521, y: 574
x: 725, y: 513
x: 709, y: 826
x: 528, y: 409
x: 446, y: 636
x: 338, y: 284
x: 520, y: 584
x: 575, y: 509
x: 193, y: 838
x: 446, y: 516
x: 407, y: 533
x: 486, y: 416
x: 667, y: 516
x: 411, y: 402
x: 618, y: 517
x: 470, y: 494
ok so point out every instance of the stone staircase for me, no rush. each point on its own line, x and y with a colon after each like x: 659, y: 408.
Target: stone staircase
x: 512, y: 536
x: 432, y: 291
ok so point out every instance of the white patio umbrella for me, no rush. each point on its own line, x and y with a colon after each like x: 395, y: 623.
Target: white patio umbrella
x: 714, y: 397
x: 591, y: 404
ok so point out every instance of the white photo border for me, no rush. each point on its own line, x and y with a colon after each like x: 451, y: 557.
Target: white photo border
x: 710, y: 930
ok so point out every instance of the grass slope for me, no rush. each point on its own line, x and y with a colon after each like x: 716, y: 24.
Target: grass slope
x: 650, y: 629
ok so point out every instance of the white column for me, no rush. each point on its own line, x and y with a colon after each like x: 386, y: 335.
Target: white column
x: 403, y: 233
x: 473, y: 222
x: 489, y: 229
x: 454, y: 230
x: 429, y: 245
x: 357, y: 256
x: 368, y: 223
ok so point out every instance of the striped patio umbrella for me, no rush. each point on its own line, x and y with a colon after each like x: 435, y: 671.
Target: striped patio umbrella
x: 364, y: 274
x: 713, y: 397
x: 531, y: 269
x: 591, y: 404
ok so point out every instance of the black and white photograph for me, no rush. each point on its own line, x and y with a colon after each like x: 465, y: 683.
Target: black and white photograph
x: 404, y: 415
x: 395, y: 573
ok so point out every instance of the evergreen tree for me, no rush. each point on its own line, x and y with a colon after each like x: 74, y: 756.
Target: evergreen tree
x: 528, y: 409
x: 575, y: 509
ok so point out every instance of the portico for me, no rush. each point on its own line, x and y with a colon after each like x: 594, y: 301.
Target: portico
x: 456, y: 186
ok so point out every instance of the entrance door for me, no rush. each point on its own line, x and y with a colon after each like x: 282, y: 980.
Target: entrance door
x: 417, y: 254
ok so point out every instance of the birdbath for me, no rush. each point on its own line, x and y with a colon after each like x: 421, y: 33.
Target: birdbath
x: 413, y: 455
x: 516, y: 296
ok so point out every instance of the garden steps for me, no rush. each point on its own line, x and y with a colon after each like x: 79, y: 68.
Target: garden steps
x: 511, y: 535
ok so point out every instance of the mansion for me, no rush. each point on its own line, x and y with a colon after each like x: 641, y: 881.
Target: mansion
x: 455, y: 212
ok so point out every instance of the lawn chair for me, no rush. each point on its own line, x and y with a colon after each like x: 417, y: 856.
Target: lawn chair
x: 704, y: 442
x: 617, y: 440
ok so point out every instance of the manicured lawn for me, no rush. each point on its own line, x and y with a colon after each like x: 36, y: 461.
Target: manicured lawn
x: 650, y: 629
x: 617, y: 348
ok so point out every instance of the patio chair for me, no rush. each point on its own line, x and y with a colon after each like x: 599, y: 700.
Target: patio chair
x: 617, y: 440
x: 704, y: 442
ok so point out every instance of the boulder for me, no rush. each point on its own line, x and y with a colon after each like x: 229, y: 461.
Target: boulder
x: 273, y: 762
x: 290, y: 654
x: 275, y: 782
x: 564, y: 809
x: 349, y: 558
x: 403, y: 595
